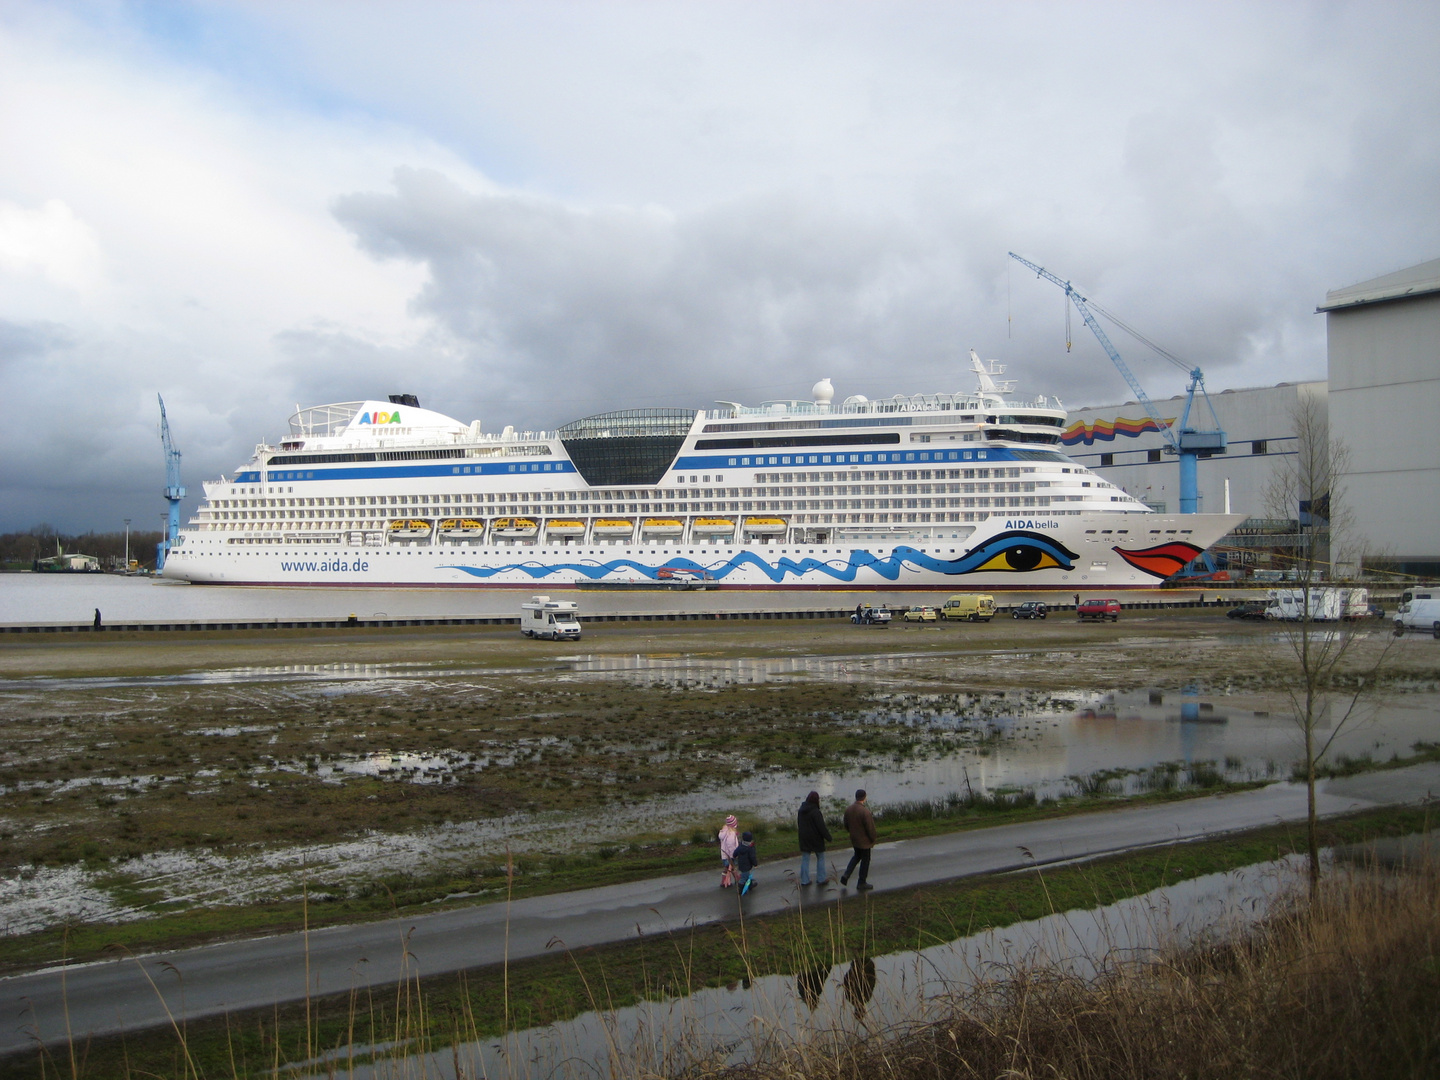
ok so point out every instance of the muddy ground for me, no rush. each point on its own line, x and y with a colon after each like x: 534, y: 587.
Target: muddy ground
x: 145, y: 769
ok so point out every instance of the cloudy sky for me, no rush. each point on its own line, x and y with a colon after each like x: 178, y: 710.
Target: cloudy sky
x: 529, y: 212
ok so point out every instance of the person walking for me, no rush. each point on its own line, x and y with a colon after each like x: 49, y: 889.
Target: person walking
x: 860, y: 824
x: 729, y: 841
x: 810, y: 823
x: 746, y: 860
x: 97, y: 618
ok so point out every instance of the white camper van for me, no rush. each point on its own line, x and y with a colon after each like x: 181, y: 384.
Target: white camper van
x: 1327, y: 604
x: 541, y: 617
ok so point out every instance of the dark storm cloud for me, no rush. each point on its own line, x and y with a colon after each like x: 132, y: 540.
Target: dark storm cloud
x: 548, y: 312
x: 558, y: 311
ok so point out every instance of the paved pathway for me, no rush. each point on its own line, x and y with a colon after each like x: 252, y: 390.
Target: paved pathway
x: 110, y: 996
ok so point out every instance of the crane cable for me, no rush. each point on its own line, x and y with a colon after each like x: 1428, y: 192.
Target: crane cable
x: 1138, y: 336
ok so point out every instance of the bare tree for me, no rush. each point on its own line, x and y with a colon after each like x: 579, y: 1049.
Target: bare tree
x: 1335, y: 664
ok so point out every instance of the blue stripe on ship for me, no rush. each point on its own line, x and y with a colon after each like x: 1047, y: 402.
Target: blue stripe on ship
x: 866, y: 457
x: 888, y: 567
x: 387, y: 472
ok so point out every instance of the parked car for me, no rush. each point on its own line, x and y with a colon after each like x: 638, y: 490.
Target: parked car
x: 1248, y: 609
x: 919, y: 614
x: 1099, y: 609
x: 1375, y: 611
x: 869, y: 616
x: 1030, y: 609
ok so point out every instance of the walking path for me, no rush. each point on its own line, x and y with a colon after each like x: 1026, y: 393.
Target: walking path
x: 111, y: 996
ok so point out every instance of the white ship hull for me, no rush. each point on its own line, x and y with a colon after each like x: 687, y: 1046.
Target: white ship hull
x: 1101, y: 551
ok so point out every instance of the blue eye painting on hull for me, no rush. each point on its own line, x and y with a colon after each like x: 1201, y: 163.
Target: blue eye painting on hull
x: 1010, y: 552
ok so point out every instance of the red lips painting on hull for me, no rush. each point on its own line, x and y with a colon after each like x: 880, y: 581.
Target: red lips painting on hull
x: 1161, y: 561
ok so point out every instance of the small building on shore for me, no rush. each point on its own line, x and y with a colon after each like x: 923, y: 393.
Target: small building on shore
x: 68, y: 563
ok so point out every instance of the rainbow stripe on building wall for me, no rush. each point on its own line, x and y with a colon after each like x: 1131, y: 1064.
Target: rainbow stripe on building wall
x: 1106, y: 430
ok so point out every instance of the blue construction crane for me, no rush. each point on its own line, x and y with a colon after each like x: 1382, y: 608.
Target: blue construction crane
x: 173, y: 491
x: 1188, y: 442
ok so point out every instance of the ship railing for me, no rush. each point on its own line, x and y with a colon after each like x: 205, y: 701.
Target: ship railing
x: 916, y: 403
x: 320, y: 421
x: 523, y: 443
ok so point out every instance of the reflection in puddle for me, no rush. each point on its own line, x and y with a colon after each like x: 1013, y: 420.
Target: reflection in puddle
x: 810, y: 984
x: 301, y: 673
x: 858, y: 985
x: 827, y: 1005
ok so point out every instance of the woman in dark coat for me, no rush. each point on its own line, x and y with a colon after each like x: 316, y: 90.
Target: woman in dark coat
x: 813, y: 834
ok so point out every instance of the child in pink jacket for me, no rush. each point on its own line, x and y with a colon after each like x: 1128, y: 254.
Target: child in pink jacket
x: 729, y: 841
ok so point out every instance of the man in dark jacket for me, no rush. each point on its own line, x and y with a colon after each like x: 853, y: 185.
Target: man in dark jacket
x: 810, y: 823
x: 746, y: 859
x: 860, y: 824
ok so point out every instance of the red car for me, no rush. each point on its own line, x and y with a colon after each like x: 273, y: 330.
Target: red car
x: 1099, y: 609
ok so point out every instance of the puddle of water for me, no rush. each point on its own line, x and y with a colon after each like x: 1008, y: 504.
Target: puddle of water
x: 825, y: 1008
x: 675, y: 670
x: 698, y: 671
x: 300, y: 673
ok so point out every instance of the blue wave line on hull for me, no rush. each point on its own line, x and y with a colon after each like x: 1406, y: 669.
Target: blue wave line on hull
x: 889, y: 567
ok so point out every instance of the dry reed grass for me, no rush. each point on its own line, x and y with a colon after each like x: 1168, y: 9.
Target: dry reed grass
x: 1345, y: 986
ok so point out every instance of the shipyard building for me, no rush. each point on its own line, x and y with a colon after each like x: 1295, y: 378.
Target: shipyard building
x: 1384, y: 357
x: 1384, y: 376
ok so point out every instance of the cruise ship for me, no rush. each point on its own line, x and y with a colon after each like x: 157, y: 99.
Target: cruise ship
x: 949, y: 491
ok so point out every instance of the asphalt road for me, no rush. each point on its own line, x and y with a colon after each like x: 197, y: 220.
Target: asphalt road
x: 110, y: 996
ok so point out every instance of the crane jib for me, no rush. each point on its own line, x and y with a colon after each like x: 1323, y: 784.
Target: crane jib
x: 1188, y: 443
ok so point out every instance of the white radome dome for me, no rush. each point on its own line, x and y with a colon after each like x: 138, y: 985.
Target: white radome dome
x: 823, y: 392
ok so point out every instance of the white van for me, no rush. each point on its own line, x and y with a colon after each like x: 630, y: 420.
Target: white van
x: 541, y: 617
x: 1421, y: 613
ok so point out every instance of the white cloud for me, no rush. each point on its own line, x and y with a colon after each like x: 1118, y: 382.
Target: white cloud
x: 50, y: 241
x: 212, y: 214
x: 529, y: 212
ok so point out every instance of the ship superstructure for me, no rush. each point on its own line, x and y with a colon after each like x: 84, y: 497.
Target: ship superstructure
x: 922, y: 491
